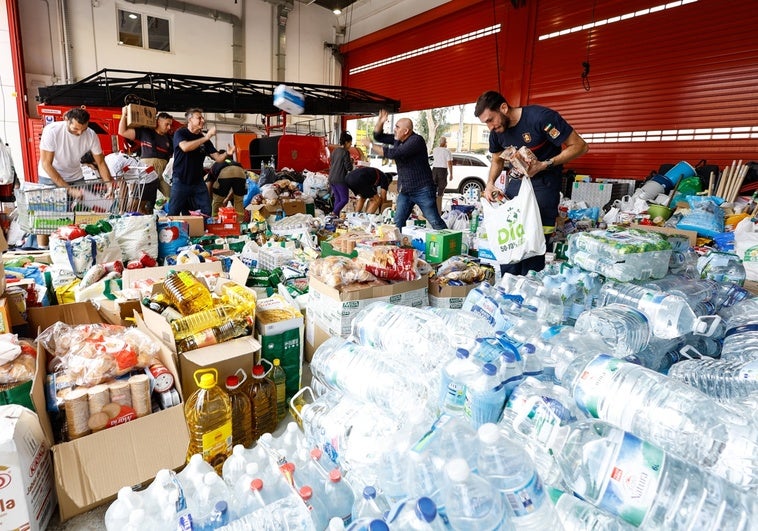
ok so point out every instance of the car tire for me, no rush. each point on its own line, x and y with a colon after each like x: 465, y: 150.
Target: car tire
x: 470, y: 183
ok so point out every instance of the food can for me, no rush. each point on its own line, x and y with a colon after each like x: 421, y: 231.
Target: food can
x: 161, y: 378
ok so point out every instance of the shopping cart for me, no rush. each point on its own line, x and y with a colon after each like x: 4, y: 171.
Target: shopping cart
x: 133, y: 180
x: 43, y: 209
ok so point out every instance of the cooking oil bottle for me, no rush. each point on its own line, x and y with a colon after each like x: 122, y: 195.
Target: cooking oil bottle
x: 262, y: 392
x: 187, y: 293
x: 208, y: 413
x: 242, y: 409
x: 239, y: 297
x: 237, y: 327
x: 279, y: 378
x: 200, y: 321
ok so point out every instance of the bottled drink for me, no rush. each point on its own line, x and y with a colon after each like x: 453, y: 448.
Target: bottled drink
x: 720, y: 379
x: 642, y: 484
x: 117, y: 515
x: 242, y: 410
x: 200, y: 321
x: 485, y: 397
x: 532, y: 362
x: 391, y: 470
x: 463, y: 326
x: 280, y: 381
x: 338, y: 496
x: 659, y: 355
x: 248, y: 498
x: 510, y: 471
x: 453, y: 378
x: 187, y: 293
x: 741, y: 336
x: 624, y: 329
x: 240, y: 298
x: 693, y: 290
x: 316, y: 507
x: 578, y: 515
x: 364, y: 524
x: 368, y: 505
x: 159, y: 303
x: 236, y: 464
x: 562, y: 343
x: 415, y: 514
x: 371, y: 375
x: 665, y: 412
x: 219, y: 516
x: 209, y: 420
x: 470, y: 502
x: 236, y: 327
x: 292, y: 445
x: 192, y: 475
x: 203, y: 503
x: 722, y: 267
x: 262, y: 392
x: 668, y: 316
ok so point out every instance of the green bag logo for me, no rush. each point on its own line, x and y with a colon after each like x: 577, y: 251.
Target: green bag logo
x: 510, y: 233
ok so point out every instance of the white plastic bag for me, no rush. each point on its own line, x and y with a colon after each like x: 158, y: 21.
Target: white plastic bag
x: 135, y: 235
x: 514, y: 228
x: 82, y: 253
x: 746, y: 246
x: 7, y: 172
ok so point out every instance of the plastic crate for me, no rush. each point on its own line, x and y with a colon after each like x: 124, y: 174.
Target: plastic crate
x: 273, y: 257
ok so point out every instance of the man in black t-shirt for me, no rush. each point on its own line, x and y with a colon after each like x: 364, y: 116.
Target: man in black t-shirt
x: 156, y: 145
x: 368, y: 184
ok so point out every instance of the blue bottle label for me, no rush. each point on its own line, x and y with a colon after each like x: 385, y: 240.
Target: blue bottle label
x: 632, y: 480
x: 456, y: 395
x: 592, y: 384
x: 528, y: 498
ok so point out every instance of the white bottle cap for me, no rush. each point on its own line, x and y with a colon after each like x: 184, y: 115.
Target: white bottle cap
x: 457, y: 470
x: 489, y: 433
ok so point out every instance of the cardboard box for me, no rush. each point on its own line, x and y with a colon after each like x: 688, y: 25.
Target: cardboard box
x: 119, y: 312
x: 27, y: 498
x: 140, y: 116
x: 289, y: 100
x: 333, y: 309
x: 89, y: 471
x: 196, y: 224
x: 289, y: 207
x: 130, y: 276
x: 442, y: 244
x: 446, y: 296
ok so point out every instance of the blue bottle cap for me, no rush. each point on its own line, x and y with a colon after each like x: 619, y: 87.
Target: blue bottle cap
x: 369, y: 492
x: 461, y: 353
x: 489, y: 369
x: 426, y: 509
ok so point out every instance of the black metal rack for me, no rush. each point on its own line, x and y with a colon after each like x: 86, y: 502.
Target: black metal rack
x: 178, y: 92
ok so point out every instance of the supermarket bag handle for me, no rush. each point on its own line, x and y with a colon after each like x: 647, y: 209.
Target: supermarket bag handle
x: 70, y: 253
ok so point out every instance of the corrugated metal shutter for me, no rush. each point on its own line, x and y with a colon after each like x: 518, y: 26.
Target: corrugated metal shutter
x: 689, y: 70
x: 423, y: 69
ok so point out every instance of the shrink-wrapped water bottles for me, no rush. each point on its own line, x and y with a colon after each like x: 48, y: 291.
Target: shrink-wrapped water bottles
x: 641, y: 483
x: 485, y: 396
x: 664, y: 412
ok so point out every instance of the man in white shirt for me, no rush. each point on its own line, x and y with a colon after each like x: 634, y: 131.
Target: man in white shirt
x: 62, y: 146
x: 442, y: 169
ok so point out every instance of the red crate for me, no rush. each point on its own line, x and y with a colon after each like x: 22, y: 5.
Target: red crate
x: 223, y: 229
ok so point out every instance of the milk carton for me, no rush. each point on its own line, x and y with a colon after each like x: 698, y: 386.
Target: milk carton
x: 27, y: 496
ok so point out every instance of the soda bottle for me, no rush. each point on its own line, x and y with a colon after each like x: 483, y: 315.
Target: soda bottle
x: 242, y: 410
x: 262, y: 393
x: 218, y: 334
x: 280, y: 381
x: 200, y: 321
x: 187, y: 293
x: 208, y: 412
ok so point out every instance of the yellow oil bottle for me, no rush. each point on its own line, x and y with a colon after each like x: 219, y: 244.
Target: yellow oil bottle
x: 208, y: 413
x: 187, y: 293
x: 242, y: 409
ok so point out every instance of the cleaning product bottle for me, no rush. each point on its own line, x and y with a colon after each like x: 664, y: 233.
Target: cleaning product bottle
x: 262, y: 392
x: 280, y: 381
x: 186, y: 292
x: 242, y: 409
x: 208, y: 413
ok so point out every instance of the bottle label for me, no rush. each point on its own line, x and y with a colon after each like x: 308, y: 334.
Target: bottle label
x: 456, y: 395
x: 217, y: 444
x: 632, y: 479
x: 536, y: 419
x: 205, y: 338
x: 592, y: 384
x: 528, y: 498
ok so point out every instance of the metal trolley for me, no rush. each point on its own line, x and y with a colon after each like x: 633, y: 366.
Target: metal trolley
x: 43, y: 209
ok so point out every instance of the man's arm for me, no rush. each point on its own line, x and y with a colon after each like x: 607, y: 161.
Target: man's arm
x: 450, y: 167
x: 123, y: 130
x: 221, y: 156
x: 573, y: 147
x: 192, y: 145
x: 496, y: 168
x: 102, y: 167
x: 46, y: 159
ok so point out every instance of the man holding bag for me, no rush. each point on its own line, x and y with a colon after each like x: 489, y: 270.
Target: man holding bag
x: 551, y: 140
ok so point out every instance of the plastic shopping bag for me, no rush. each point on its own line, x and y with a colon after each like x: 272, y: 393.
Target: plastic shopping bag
x: 514, y: 228
x: 746, y: 246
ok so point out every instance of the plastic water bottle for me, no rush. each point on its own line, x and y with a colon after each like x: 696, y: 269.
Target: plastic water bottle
x: 453, y: 377
x: 485, y: 396
x: 463, y: 326
x: 741, y: 336
x: 659, y: 355
x: 203, y: 501
x: 369, y: 505
x: 292, y: 444
x: 338, y: 496
x: 316, y: 508
x: 668, y: 413
x: 624, y: 329
x: 191, y: 477
x: 234, y: 467
x: 578, y: 515
x: 364, y: 524
x: 219, y: 516
x: 117, y: 515
x: 668, y: 315
x: 720, y: 379
x: 563, y: 343
x: 371, y: 375
x: 510, y: 471
x: 642, y: 484
x: 415, y: 514
x: 470, y: 501
x: 391, y: 470
x: 532, y: 362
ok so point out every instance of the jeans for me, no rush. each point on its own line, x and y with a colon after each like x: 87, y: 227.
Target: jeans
x: 186, y: 197
x: 426, y: 199
x: 522, y: 268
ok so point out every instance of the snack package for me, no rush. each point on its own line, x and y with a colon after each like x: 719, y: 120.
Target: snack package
x: 338, y: 271
x: 390, y: 262
x: 17, y: 360
x: 520, y: 159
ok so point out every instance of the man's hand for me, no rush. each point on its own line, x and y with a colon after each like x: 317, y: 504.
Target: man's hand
x: 491, y: 193
x: 365, y: 142
x: 383, y: 115
x: 211, y: 133
x: 76, y: 193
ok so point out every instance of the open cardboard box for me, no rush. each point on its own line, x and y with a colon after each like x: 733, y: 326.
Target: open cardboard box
x: 89, y: 471
x: 227, y: 357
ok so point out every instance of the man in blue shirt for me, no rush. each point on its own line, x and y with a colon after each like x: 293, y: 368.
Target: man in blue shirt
x: 553, y: 142
x: 414, y: 175
x: 191, y: 146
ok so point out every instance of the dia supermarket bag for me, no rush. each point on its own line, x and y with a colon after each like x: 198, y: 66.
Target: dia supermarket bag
x: 514, y: 228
